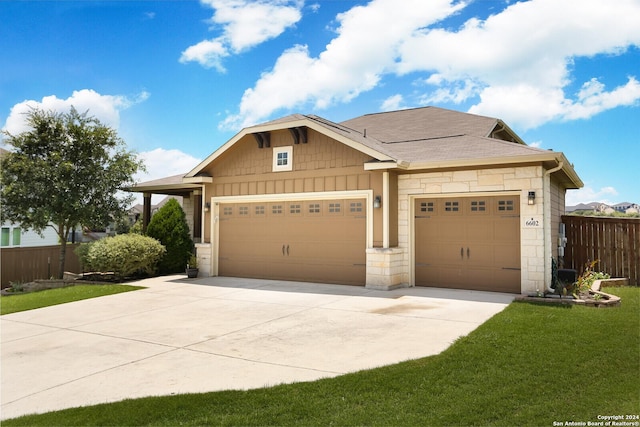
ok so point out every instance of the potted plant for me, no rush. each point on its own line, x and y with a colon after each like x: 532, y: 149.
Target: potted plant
x: 192, y: 267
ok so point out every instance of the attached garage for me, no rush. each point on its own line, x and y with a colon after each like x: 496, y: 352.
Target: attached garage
x: 468, y: 243
x: 416, y: 197
x: 305, y: 240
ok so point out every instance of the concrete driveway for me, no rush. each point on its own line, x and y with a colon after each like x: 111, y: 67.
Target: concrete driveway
x: 197, y: 335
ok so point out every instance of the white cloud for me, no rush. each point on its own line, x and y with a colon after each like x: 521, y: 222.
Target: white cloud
x: 455, y: 92
x: 520, y: 58
x: 516, y: 64
x: 365, y: 48
x: 593, y: 99
x: 536, y: 144
x: 589, y: 194
x: 208, y: 53
x: 161, y: 163
x: 245, y: 24
x: 105, y: 108
x: 392, y: 103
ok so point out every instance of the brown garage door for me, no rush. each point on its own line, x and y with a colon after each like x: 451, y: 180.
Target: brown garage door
x: 311, y: 241
x: 468, y: 243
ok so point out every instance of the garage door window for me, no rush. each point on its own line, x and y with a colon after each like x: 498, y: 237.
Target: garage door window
x: 294, y: 209
x: 260, y: 210
x: 355, y: 207
x: 334, y: 208
x: 452, y: 206
x: 505, y: 205
x: 314, y: 208
x: 276, y: 209
x: 227, y: 211
x: 478, y: 206
x: 244, y: 210
x: 427, y: 207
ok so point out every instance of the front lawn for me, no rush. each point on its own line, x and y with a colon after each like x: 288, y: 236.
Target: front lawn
x: 528, y: 365
x: 31, y: 300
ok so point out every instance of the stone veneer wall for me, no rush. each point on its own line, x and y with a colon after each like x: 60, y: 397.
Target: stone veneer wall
x: 385, y: 268
x: 203, y: 252
x: 519, y: 180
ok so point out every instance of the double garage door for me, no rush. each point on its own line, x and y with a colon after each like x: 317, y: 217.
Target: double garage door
x: 468, y: 243
x: 310, y: 240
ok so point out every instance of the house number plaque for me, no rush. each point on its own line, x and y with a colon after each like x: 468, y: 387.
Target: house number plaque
x: 533, y: 222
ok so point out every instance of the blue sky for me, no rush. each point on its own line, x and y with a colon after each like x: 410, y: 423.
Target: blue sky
x: 179, y: 78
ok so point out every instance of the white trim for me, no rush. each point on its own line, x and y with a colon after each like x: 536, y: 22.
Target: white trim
x: 288, y: 150
x: 385, y: 209
x: 374, y: 166
x: 412, y: 218
x: 283, y: 197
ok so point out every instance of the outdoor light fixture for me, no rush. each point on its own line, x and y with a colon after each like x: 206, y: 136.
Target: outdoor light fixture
x: 377, y: 202
x: 531, y: 199
x: 207, y: 206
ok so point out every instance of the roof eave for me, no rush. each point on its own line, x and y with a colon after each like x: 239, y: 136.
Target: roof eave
x: 164, y: 188
x: 555, y: 158
x: 570, y: 172
x: 487, y: 161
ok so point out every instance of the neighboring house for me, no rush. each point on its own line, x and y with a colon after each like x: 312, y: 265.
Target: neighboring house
x: 626, y: 207
x: 418, y: 197
x: 15, y: 236
x: 136, y: 212
x: 598, y: 207
x: 593, y: 206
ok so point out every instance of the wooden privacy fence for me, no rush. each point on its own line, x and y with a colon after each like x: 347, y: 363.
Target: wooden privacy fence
x: 613, y: 241
x: 22, y: 265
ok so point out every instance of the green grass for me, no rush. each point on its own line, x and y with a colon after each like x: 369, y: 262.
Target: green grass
x: 528, y: 365
x: 32, y: 300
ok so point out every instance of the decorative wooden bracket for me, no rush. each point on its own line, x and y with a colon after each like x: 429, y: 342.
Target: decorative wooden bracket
x: 299, y: 134
x: 263, y: 139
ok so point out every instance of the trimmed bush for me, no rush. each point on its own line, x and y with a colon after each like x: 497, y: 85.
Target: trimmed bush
x: 125, y: 255
x: 169, y: 226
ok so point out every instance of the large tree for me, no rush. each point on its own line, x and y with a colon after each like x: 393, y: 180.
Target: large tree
x: 65, y: 171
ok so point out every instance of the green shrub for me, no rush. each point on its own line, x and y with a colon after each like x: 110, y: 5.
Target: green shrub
x: 136, y: 228
x: 82, y: 251
x: 588, y: 276
x: 125, y: 255
x: 169, y: 226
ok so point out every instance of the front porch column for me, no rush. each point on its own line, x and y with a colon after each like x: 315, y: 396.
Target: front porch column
x: 146, y: 211
x: 197, y: 216
x: 385, y: 209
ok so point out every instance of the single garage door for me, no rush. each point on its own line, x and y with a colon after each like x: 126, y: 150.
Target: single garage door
x: 468, y: 243
x: 313, y: 241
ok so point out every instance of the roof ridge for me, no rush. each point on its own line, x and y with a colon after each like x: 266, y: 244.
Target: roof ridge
x: 427, y: 139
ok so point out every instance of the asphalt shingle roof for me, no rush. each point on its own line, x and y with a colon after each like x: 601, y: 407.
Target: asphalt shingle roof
x: 421, y: 123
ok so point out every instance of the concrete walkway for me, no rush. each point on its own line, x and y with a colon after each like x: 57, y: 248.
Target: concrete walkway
x: 197, y: 335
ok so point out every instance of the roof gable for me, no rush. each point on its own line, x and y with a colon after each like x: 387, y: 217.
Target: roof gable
x: 333, y: 130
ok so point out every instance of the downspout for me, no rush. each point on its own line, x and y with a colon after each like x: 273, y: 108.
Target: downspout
x: 556, y: 169
x: 547, y: 222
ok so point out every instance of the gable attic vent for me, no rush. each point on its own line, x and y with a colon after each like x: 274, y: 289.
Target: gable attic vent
x: 299, y: 134
x: 263, y: 139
